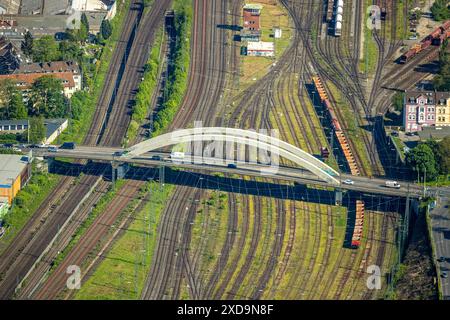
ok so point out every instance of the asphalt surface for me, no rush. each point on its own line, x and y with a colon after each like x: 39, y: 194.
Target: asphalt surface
x: 362, y: 184
x: 440, y: 222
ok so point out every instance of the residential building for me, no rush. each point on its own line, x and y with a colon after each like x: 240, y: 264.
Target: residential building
x: 424, y: 109
x: 262, y: 49
x: 54, y: 127
x: 9, y: 56
x: 15, y: 171
x: 67, y: 71
x: 442, y: 110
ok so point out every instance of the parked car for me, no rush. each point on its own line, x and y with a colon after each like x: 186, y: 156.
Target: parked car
x: 157, y: 158
x: 232, y: 166
x: 444, y: 275
x: 17, y: 149
x: 441, y: 259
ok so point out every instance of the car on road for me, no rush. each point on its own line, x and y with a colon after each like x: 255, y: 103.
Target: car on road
x: 53, y: 149
x: 392, y: 184
x: 441, y: 259
x: 444, y: 275
x: 157, y: 158
x: 232, y: 166
x: 348, y: 181
x: 8, y: 145
x: 17, y: 149
x: 68, y: 145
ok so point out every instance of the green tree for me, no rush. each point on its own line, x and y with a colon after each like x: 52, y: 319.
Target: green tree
x: 27, y: 44
x: 105, y: 29
x: 69, y: 50
x: 47, y: 98
x: 422, y: 160
x: 398, y: 100
x: 83, y: 32
x: 443, y: 150
x: 442, y: 80
x: 11, y: 102
x: 45, y: 49
x: 37, y: 130
x: 440, y: 10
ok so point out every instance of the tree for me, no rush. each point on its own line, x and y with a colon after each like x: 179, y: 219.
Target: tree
x: 105, y: 29
x: 69, y: 51
x: 27, y: 44
x: 11, y: 104
x: 398, y: 100
x: 47, y: 98
x: 440, y: 10
x: 45, y: 49
x: 442, y: 80
x: 423, y: 161
x: 444, y: 156
x: 37, y: 130
x: 83, y: 32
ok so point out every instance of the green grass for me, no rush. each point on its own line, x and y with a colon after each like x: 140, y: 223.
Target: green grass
x: 26, y: 203
x: 98, y: 209
x: 122, y: 275
x: 146, y: 88
x: 178, y: 81
x: 368, y: 64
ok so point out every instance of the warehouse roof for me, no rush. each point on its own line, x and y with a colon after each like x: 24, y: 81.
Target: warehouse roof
x: 11, y: 166
x: 260, y: 46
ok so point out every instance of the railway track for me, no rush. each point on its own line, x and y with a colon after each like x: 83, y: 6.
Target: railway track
x: 132, y: 72
x: 201, y: 102
x: 113, y: 83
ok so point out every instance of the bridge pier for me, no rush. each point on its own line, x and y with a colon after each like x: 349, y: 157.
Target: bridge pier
x: 161, y: 176
x: 338, y: 196
x: 118, y: 170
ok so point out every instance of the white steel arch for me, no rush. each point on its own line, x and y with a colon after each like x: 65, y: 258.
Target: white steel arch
x: 246, y: 137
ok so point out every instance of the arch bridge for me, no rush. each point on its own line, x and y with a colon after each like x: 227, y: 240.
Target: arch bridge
x: 232, y: 136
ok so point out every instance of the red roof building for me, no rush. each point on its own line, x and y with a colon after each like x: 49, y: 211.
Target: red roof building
x: 252, y: 13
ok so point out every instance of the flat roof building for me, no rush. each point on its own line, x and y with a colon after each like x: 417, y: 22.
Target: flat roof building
x: 261, y: 48
x: 15, y: 171
x: 54, y: 127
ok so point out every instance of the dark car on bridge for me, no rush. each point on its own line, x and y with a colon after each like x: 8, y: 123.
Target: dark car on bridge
x: 68, y: 145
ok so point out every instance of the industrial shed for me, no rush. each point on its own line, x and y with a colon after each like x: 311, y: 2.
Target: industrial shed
x: 15, y: 171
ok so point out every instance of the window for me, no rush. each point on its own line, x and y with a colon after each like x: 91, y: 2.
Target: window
x: 412, y: 108
x: 19, y: 127
x: 422, y: 109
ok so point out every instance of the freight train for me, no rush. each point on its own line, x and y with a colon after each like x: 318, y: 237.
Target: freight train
x: 335, y: 12
x: 435, y: 38
x: 345, y: 146
x: 338, y: 17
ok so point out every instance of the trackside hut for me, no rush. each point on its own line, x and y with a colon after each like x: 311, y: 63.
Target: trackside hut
x: 15, y: 171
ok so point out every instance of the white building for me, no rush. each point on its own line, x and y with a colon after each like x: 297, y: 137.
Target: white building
x: 261, y: 49
x: 108, y: 6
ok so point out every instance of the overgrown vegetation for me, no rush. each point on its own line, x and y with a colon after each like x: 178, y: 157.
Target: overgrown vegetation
x: 146, y: 89
x: 123, y: 274
x: 430, y: 159
x: 442, y: 80
x: 26, y: 203
x: 177, y: 81
x: 440, y: 10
